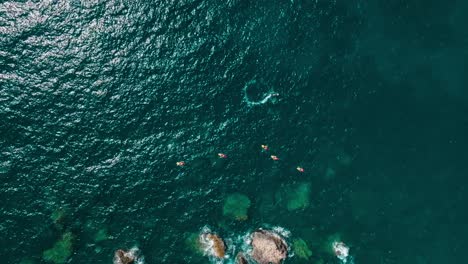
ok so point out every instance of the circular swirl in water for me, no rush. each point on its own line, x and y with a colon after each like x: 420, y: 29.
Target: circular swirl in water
x: 253, y: 89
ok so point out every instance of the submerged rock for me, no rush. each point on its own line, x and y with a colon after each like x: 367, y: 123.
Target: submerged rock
x: 101, y: 235
x: 61, y: 250
x: 124, y: 257
x: 212, y: 245
x: 294, y: 196
x: 268, y: 247
x: 27, y: 261
x: 301, y: 249
x: 58, y: 217
x: 192, y: 242
x: 334, y: 160
x: 236, y: 206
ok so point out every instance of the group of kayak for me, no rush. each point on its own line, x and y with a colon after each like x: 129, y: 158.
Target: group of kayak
x: 264, y: 147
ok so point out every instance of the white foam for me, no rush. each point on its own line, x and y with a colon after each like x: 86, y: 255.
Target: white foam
x: 265, y: 99
x: 136, y: 252
x: 282, y: 231
x: 341, y: 251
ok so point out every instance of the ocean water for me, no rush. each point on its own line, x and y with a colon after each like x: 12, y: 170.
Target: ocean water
x: 100, y: 99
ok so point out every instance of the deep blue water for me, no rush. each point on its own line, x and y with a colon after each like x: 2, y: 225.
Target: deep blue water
x: 100, y: 99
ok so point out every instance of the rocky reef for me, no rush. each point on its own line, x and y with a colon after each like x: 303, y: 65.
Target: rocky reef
x: 265, y: 246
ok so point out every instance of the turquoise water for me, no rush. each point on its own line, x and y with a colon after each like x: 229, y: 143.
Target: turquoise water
x: 100, y: 99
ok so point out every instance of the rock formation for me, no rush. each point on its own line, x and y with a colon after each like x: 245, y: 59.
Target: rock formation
x: 122, y: 257
x: 268, y: 247
x: 213, y: 245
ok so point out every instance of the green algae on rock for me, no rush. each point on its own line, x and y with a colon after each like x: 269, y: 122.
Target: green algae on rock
x: 301, y: 249
x: 61, y: 250
x: 294, y: 196
x: 236, y: 206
